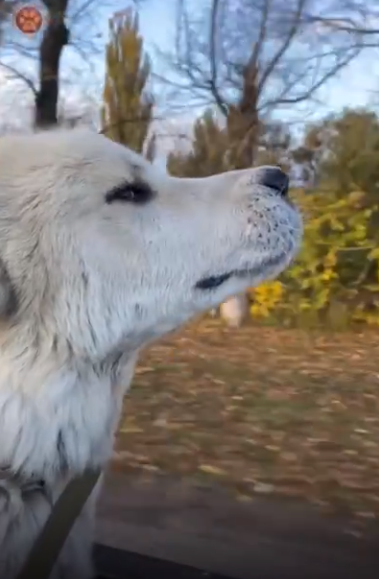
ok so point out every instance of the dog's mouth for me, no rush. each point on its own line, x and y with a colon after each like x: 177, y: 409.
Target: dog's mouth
x: 214, y: 281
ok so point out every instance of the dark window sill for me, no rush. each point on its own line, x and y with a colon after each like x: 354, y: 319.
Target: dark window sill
x: 116, y: 564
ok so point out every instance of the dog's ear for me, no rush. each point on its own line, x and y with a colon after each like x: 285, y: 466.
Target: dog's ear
x: 8, y: 299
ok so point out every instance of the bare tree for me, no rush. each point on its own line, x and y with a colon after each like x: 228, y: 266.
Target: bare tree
x: 74, y: 25
x: 294, y: 47
x: 66, y: 23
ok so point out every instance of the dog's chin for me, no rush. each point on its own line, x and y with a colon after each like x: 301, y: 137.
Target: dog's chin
x: 265, y: 269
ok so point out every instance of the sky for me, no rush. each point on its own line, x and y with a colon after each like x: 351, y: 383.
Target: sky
x: 82, y: 81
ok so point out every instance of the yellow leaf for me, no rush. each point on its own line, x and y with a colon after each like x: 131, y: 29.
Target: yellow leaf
x: 209, y: 469
x: 130, y: 429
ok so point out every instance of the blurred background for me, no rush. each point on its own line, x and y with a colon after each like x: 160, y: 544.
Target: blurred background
x: 276, y: 393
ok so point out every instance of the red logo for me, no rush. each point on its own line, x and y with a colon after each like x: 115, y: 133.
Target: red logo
x: 28, y: 19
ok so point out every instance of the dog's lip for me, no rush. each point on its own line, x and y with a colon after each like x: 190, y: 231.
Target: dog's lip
x: 214, y: 281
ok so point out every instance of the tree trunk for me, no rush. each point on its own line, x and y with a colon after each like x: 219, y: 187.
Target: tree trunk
x: 55, y: 38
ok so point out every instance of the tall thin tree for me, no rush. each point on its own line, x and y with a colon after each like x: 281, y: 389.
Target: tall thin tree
x: 127, y: 104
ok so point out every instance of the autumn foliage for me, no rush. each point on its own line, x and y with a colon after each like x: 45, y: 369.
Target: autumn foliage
x: 127, y: 104
x: 335, y: 278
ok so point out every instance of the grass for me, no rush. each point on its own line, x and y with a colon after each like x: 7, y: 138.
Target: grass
x: 260, y: 410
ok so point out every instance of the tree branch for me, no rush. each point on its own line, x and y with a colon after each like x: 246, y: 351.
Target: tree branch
x: 17, y: 74
x: 270, y: 66
x: 212, y: 58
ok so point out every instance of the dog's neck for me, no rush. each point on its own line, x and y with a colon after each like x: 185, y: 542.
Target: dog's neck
x: 58, y: 410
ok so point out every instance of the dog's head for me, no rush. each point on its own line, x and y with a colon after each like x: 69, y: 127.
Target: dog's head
x: 100, y: 248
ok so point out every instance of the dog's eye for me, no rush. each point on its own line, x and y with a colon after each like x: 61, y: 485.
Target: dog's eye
x: 138, y: 193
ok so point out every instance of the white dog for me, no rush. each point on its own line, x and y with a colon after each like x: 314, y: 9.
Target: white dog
x: 100, y: 254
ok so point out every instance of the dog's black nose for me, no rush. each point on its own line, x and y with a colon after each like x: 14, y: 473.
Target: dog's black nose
x: 274, y: 178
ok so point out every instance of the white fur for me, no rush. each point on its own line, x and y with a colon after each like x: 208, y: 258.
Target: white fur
x: 84, y: 285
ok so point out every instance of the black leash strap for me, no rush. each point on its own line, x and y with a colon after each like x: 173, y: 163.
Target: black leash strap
x: 45, y: 551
